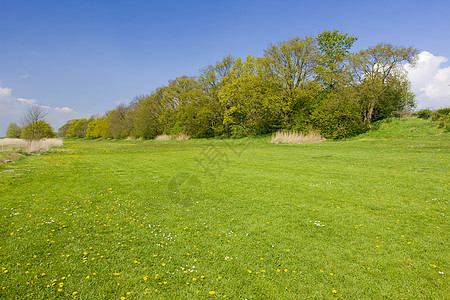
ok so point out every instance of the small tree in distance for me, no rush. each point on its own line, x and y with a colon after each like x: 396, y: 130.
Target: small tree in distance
x: 13, y: 131
x: 34, y: 125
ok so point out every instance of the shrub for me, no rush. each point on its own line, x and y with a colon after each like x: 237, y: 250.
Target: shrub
x: 338, y: 118
x: 424, y: 114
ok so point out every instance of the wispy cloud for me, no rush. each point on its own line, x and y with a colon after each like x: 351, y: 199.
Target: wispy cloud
x: 26, y: 101
x: 64, y: 109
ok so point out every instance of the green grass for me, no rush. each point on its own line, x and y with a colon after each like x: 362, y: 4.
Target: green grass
x: 366, y: 218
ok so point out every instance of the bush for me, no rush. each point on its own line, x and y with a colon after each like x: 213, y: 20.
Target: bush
x: 424, y: 114
x: 338, y: 118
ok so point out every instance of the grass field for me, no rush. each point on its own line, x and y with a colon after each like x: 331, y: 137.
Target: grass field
x: 242, y: 219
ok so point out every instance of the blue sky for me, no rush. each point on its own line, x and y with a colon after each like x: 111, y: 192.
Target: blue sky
x: 80, y: 58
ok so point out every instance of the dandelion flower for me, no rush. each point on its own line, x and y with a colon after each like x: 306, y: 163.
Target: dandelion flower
x: 212, y: 292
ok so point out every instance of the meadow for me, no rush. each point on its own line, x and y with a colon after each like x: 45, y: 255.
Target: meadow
x: 364, y: 218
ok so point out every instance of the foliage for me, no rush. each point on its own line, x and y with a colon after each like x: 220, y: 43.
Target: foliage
x: 13, y: 131
x: 98, y: 128
x: 339, y: 117
x: 38, y: 130
x: 424, y: 114
x: 290, y: 87
x: 34, y: 127
x: 77, y: 128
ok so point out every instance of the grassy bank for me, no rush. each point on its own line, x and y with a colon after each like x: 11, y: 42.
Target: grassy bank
x: 364, y: 218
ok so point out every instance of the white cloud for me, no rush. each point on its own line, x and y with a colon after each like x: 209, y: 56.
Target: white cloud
x: 64, y: 109
x: 26, y: 101
x: 429, y: 81
x: 5, y: 93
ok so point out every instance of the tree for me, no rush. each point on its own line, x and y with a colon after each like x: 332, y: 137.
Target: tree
x: 210, y: 111
x: 13, y: 131
x: 37, y: 130
x: 121, y: 121
x: 98, y: 128
x: 290, y: 66
x: 333, y: 49
x: 244, y: 96
x: 148, y: 109
x: 62, y: 131
x: 77, y: 128
x: 375, y: 71
x: 31, y: 122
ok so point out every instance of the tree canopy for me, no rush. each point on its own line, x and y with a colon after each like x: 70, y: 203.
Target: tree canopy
x: 303, y: 83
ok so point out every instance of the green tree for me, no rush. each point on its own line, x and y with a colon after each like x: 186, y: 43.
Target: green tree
x: 245, y: 99
x: 13, y: 131
x: 375, y: 70
x: 180, y: 98
x: 121, y: 121
x: 210, y: 111
x: 147, y: 115
x: 290, y: 66
x: 333, y: 49
x: 62, y: 131
x: 36, y: 131
x: 98, y: 128
x: 33, y: 128
x: 77, y: 128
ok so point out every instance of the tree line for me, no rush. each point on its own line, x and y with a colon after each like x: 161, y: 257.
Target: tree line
x: 303, y: 84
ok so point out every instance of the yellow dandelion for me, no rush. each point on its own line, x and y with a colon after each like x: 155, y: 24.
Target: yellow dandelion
x: 212, y: 292
x: 334, y: 291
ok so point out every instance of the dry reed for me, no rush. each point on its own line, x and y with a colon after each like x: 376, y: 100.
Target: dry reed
x: 163, y: 137
x: 29, y: 146
x: 294, y: 137
x: 182, y: 136
x: 166, y: 137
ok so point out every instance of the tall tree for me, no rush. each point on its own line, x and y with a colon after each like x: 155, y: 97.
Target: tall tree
x: 210, y: 110
x: 375, y: 70
x: 148, y: 110
x: 245, y: 98
x: 121, y: 121
x: 290, y: 66
x: 333, y: 49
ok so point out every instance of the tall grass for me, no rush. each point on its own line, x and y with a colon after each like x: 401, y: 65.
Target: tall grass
x: 178, y: 137
x: 29, y: 146
x: 294, y: 137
